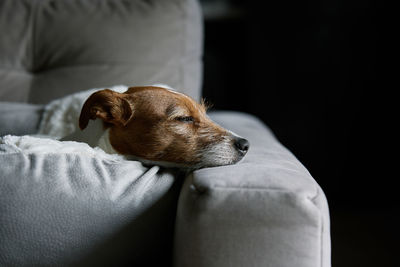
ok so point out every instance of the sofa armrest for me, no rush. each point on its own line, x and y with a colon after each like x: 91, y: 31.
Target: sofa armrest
x: 266, y: 210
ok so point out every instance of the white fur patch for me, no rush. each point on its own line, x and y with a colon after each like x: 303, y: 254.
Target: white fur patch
x: 104, y: 143
x: 221, y: 153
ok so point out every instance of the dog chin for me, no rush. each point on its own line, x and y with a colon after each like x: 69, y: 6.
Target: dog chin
x: 190, y: 166
x: 222, y: 160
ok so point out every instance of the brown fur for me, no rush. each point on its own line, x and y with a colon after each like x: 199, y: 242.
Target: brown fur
x: 146, y: 122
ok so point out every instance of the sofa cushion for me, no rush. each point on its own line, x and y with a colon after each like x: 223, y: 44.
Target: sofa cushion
x: 266, y: 210
x: 19, y: 118
x: 52, y: 48
x: 66, y: 204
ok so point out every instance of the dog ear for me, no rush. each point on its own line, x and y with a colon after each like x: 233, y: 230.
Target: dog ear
x: 110, y: 106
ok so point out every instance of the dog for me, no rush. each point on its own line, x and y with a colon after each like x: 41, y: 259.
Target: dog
x: 157, y: 125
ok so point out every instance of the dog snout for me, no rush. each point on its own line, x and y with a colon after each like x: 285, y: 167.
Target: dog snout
x: 242, y: 145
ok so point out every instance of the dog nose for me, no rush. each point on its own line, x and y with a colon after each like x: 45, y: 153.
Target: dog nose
x: 242, y: 145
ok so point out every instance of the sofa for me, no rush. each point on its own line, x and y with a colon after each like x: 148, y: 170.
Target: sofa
x: 267, y: 210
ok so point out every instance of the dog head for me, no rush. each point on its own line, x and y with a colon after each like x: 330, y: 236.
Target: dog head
x: 160, y: 125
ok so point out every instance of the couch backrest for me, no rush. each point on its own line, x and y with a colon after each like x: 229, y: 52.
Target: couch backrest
x: 50, y: 48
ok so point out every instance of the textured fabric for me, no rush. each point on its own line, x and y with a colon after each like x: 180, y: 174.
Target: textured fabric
x: 266, y: 210
x: 49, y: 49
x: 19, y: 118
x: 64, y: 203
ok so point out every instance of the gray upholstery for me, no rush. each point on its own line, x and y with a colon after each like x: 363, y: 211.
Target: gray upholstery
x: 266, y: 210
x: 76, y: 209
x: 52, y: 48
x: 19, y: 118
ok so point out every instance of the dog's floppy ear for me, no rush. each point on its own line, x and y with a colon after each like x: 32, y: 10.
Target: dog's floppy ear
x: 110, y: 106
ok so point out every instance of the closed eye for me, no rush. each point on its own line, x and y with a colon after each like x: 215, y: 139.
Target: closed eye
x: 187, y: 119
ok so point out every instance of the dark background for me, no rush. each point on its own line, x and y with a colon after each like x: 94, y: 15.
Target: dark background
x: 312, y: 71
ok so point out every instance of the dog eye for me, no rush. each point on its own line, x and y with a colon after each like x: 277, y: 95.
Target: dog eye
x: 185, y: 119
